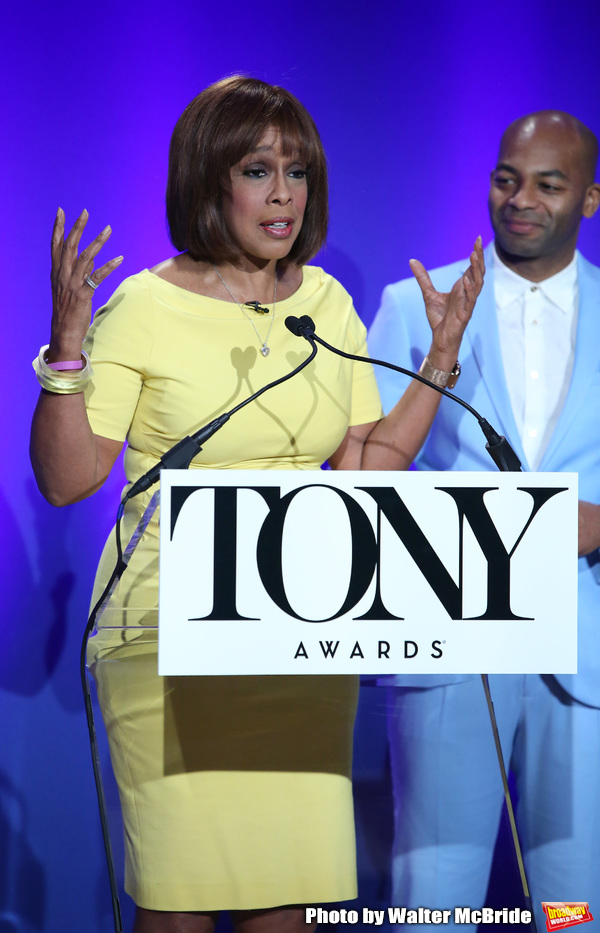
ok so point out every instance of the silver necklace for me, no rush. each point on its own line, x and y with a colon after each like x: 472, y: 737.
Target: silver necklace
x: 264, y: 349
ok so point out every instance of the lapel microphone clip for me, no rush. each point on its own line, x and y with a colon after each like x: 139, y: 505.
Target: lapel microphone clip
x: 255, y: 306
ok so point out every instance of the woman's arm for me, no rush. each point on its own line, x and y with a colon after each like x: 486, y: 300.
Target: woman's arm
x: 393, y: 442
x: 69, y: 461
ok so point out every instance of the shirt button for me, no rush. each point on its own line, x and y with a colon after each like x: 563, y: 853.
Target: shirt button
x: 534, y: 288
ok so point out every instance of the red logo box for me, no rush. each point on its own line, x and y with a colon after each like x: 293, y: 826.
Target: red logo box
x: 561, y: 914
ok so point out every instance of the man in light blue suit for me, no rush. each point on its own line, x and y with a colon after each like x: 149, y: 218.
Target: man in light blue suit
x: 531, y: 365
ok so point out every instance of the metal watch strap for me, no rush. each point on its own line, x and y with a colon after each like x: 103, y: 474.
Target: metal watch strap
x: 439, y: 377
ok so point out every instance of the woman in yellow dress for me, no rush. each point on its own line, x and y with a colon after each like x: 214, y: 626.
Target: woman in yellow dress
x: 236, y: 791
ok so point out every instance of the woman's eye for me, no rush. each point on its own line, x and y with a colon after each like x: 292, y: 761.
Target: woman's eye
x: 298, y: 173
x: 254, y: 172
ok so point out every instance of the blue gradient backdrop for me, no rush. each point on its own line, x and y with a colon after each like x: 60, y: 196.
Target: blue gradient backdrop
x: 410, y: 100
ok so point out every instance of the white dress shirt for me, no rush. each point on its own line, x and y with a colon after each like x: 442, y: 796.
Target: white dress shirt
x: 537, y: 322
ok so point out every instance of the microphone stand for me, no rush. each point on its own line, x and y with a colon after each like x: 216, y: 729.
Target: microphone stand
x: 506, y: 460
x: 177, y: 457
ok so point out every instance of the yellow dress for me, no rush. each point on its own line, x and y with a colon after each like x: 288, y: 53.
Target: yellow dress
x: 235, y: 791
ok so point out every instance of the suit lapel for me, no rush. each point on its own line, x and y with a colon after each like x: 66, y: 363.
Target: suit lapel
x: 587, y: 354
x: 482, y: 334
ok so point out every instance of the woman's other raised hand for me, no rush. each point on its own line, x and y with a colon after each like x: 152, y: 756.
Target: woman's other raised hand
x: 449, y: 313
x: 74, y: 280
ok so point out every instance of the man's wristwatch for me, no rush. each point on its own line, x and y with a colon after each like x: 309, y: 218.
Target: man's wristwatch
x: 439, y: 377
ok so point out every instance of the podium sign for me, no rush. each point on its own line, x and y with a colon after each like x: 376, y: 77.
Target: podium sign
x: 297, y: 572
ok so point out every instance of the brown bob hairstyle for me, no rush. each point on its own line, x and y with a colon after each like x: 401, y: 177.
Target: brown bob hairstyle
x: 220, y: 126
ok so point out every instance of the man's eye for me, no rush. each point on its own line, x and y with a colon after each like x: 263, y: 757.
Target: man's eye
x: 546, y: 187
x: 503, y: 180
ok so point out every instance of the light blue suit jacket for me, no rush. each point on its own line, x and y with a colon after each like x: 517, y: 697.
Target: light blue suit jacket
x: 400, y: 333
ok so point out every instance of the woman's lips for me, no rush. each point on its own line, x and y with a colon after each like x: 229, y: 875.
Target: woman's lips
x: 280, y: 228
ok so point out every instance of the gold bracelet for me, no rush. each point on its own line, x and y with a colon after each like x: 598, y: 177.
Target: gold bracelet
x: 65, y: 382
x: 439, y: 377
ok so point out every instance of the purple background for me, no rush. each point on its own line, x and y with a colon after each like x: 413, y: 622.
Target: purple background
x: 410, y: 100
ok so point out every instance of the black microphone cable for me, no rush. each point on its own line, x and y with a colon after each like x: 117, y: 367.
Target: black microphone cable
x: 497, y: 445
x: 181, y: 455
x: 178, y: 457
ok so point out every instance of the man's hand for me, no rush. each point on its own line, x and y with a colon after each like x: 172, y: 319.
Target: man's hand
x: 589, y: 527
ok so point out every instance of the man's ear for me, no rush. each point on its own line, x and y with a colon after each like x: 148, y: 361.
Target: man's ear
x: 591, y: 201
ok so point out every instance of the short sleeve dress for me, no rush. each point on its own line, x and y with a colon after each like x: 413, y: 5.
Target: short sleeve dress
x: 235, y: 791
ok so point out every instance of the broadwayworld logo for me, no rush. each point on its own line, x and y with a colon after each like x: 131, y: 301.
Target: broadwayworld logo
x: 560, y: 914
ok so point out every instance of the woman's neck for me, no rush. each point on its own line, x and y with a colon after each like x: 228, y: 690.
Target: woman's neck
x: 248, y: 281
x: 244, y: 281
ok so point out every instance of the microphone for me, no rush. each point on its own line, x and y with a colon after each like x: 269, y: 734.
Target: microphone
x: 497, y: 445
x: 181, y: 454
x: 178, y: 457
x: 301, y: 327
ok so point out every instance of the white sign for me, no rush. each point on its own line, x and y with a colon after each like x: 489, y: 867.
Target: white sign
x: 294, y: 572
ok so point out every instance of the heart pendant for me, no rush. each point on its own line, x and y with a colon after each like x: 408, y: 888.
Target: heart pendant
x: 265, y: 350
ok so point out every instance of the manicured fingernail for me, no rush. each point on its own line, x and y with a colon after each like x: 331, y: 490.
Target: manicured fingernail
x: 58, y: 213
x: 119, y: 259
x: 84, y: 213
x: 105, y: 231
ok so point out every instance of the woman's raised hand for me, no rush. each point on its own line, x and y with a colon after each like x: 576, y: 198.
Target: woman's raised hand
x: 72, y: 292
x: 449, y: 313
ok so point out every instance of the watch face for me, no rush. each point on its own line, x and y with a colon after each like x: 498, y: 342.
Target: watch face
x: 453, y: 378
